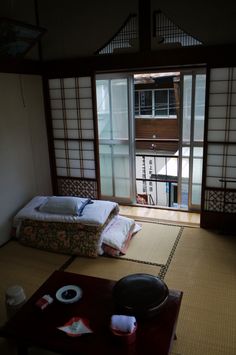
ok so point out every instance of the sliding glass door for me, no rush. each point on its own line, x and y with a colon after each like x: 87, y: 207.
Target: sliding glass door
x: 192, y: 139
x: 115, y: 133
x: 171, y: 169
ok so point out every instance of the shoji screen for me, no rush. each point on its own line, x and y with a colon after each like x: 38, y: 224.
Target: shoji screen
x: 220, y: 183
x: 73, y: 136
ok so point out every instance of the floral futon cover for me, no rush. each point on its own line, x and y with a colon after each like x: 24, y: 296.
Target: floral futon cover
x: 69, y: 234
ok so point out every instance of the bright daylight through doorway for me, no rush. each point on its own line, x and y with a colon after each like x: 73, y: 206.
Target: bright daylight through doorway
x: 151, y: 130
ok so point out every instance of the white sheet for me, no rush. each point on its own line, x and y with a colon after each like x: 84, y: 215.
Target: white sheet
x: 94, y: 214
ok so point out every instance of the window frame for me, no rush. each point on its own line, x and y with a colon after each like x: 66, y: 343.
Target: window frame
x: 153, y: 115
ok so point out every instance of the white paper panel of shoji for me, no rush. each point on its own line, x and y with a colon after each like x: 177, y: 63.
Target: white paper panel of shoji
x: 214, y: 171
x: 214, y: 160
x: 59, y: 144
x: 58, y: 133
x: 57, y: 124
x: 55, y: 94
x: 74, y: 164
x: 231, y: 173
x: 219, y: 87
x: 54, y: 83
x: 75, y: 173
x: 216, y: 124
x: 233, y: 99
x: 71, y: 114
x: 218, y: 100
x: 86, y: 113
x: 57, y: 114
x: 87, y: 124
x: 61, y: 172
x: 213, y: 182
x: 88, y: 154
x: 70, y: 93
x: 72, y: 124
x: 74, y: 154
x: 86, y: 103
x: 233, y: 126
x: 69, y: 83
x: 232, y: 136
x: 56, y: 104
x: 216, y: 136
x: 87, y: 134
x: 217, y: 112
x: 89, y: 164
x: 232, y: 149
x: 61, y: 163
x: 90, y: 174
x: 233, y: 112
x: 70, y: 104
x: 84, y: 92
x: 85, y: 82
x: 59, y: 153
x: 219, y: 73
x: 73, y: 134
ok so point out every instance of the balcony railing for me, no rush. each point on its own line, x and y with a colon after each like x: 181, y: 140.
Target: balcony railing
x: 157, y: 179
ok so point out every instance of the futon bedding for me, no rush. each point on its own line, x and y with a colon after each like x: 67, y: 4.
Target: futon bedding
x: 75, y: 234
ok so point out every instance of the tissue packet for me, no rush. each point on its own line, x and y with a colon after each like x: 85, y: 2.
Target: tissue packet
x: 123, y: 323
x: 76, y: 327
x: 44, y: 301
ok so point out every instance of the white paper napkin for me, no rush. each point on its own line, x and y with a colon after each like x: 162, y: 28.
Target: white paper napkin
x: 76, y: 327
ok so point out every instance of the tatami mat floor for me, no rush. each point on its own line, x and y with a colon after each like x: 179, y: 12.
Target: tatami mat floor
x: 204, y: 268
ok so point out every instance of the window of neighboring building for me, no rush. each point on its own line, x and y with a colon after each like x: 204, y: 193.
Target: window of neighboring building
x: 156, y: 103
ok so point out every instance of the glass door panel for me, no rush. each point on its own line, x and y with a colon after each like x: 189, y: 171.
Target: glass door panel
x: 119, y: 109
x: 106, y: 169
x: 193, y: 115
x: 197, y: 141
x: 184, y: 186
x: 187, y: 109
x: 197, y: 176
x: 121, y: 171
x: 115, y: 152
x: 199, y: 110
x: 103, y: 109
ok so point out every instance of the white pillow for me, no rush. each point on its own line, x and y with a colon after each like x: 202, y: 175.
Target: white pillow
x: 61, y: 205
x: 118, y: 232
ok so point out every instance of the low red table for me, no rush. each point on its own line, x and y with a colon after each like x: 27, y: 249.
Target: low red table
x: 33, y: 327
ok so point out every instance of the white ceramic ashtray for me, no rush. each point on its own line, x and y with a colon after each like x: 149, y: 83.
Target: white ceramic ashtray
x: 69, y: 294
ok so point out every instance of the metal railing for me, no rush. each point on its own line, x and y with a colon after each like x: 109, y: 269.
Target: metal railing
x: 152, y: 186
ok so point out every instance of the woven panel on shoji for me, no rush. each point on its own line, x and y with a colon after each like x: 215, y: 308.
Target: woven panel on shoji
x: 221, y: 142
x: 82, y: 188
x: 73, y: 134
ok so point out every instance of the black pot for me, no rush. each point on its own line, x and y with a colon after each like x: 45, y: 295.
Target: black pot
x: 140, y: 295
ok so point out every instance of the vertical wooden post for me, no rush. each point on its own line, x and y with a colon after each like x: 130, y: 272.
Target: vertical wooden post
x: 36, y: 9
x: 145, y: 32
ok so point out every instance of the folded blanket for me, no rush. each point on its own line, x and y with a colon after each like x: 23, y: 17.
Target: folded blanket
x: 94, y: 214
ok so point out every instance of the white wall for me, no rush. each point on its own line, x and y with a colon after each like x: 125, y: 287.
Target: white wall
x: 24, y: 160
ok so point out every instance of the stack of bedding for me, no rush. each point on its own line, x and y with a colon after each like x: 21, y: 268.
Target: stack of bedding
x: 74, y: 225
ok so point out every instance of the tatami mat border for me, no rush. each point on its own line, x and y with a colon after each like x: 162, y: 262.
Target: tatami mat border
x: 165, y: 267
x: 67, y: 263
